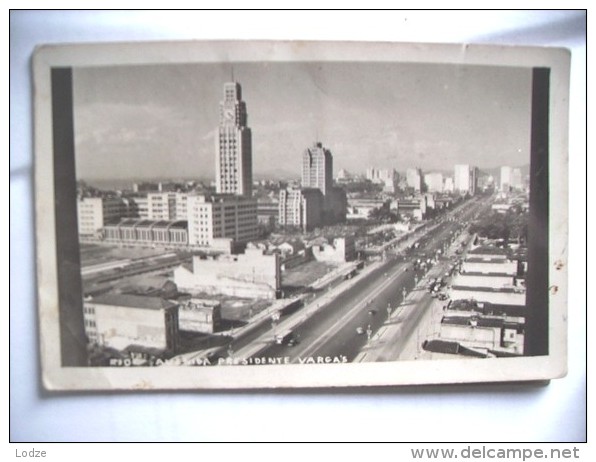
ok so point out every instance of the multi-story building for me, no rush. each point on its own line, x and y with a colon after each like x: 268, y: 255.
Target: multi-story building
x: 516, y: 179
x: 181, y: 207
x: 465, y: 179
x: 434, y: 182
x: 138, y: 207
x: 233, y: 146
x: 268, y: 212
x: 318, y: 201
x: 335, y: 206
x: 511, y: 179
x: 157, y: 206
x: 505, y: 178
x: 200, y: 315
x: 388, y: 177
x: 161, y: 206
x: 132, y: 322
x: 474, y: 174
x: 302, y: 207
x: 94, y: 212
x: 251, y: 274
x: 448, y: 186
x: 221, y: 216
x: 167, y: 206
x: 414, y: 179
x: 317, y: 168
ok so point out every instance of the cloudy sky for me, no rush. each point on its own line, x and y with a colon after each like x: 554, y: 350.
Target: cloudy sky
x: 159, y: 121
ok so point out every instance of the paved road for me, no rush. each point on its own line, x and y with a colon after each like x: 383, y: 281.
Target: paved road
x: 331, y: 333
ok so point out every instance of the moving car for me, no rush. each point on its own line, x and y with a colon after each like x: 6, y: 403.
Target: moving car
x: 285, y: 336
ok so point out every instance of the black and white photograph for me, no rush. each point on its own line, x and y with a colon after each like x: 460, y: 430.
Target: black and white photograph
x: 300, y: 214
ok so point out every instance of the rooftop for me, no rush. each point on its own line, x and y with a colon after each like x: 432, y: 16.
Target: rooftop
x: 459, y: 307
x: 491, y: 274
x: 505, y: 290
x: 144, y: 223
x: 133, y: 301
x: 488, y: 250
x: 478, y: 259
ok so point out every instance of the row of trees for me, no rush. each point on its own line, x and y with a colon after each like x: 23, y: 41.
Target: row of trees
x: 512, y: 225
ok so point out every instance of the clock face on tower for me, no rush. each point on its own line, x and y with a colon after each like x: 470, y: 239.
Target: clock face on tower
x: 229, y: 114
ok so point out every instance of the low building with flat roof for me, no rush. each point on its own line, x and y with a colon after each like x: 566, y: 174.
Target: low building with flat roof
x: 477, y: 265
x: 142, y: 232
x: 485, y: 280
x: 493, y: 340
x: 515, y: 312
x: 502, y: 296
x: 416, y: 207
x: 200, y: 315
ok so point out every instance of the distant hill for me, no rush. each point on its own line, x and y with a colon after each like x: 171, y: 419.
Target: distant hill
x: 494, y: 171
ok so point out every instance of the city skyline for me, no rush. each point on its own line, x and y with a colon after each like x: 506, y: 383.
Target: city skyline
x: 161, y: 121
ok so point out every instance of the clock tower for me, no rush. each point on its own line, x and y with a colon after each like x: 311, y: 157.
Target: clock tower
x: 233, y: 146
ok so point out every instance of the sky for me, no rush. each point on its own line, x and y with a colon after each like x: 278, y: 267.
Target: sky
x: 159, y: 121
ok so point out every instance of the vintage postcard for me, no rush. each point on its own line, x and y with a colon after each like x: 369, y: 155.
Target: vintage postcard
x: 220, y: 215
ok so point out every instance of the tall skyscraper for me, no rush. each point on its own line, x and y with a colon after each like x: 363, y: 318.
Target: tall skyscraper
x: 233, y: 163
x: 516, y: 179
x: 317, y: 201
x: 465, y: 179
x: 317, y: 168
x: 505, y: 178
